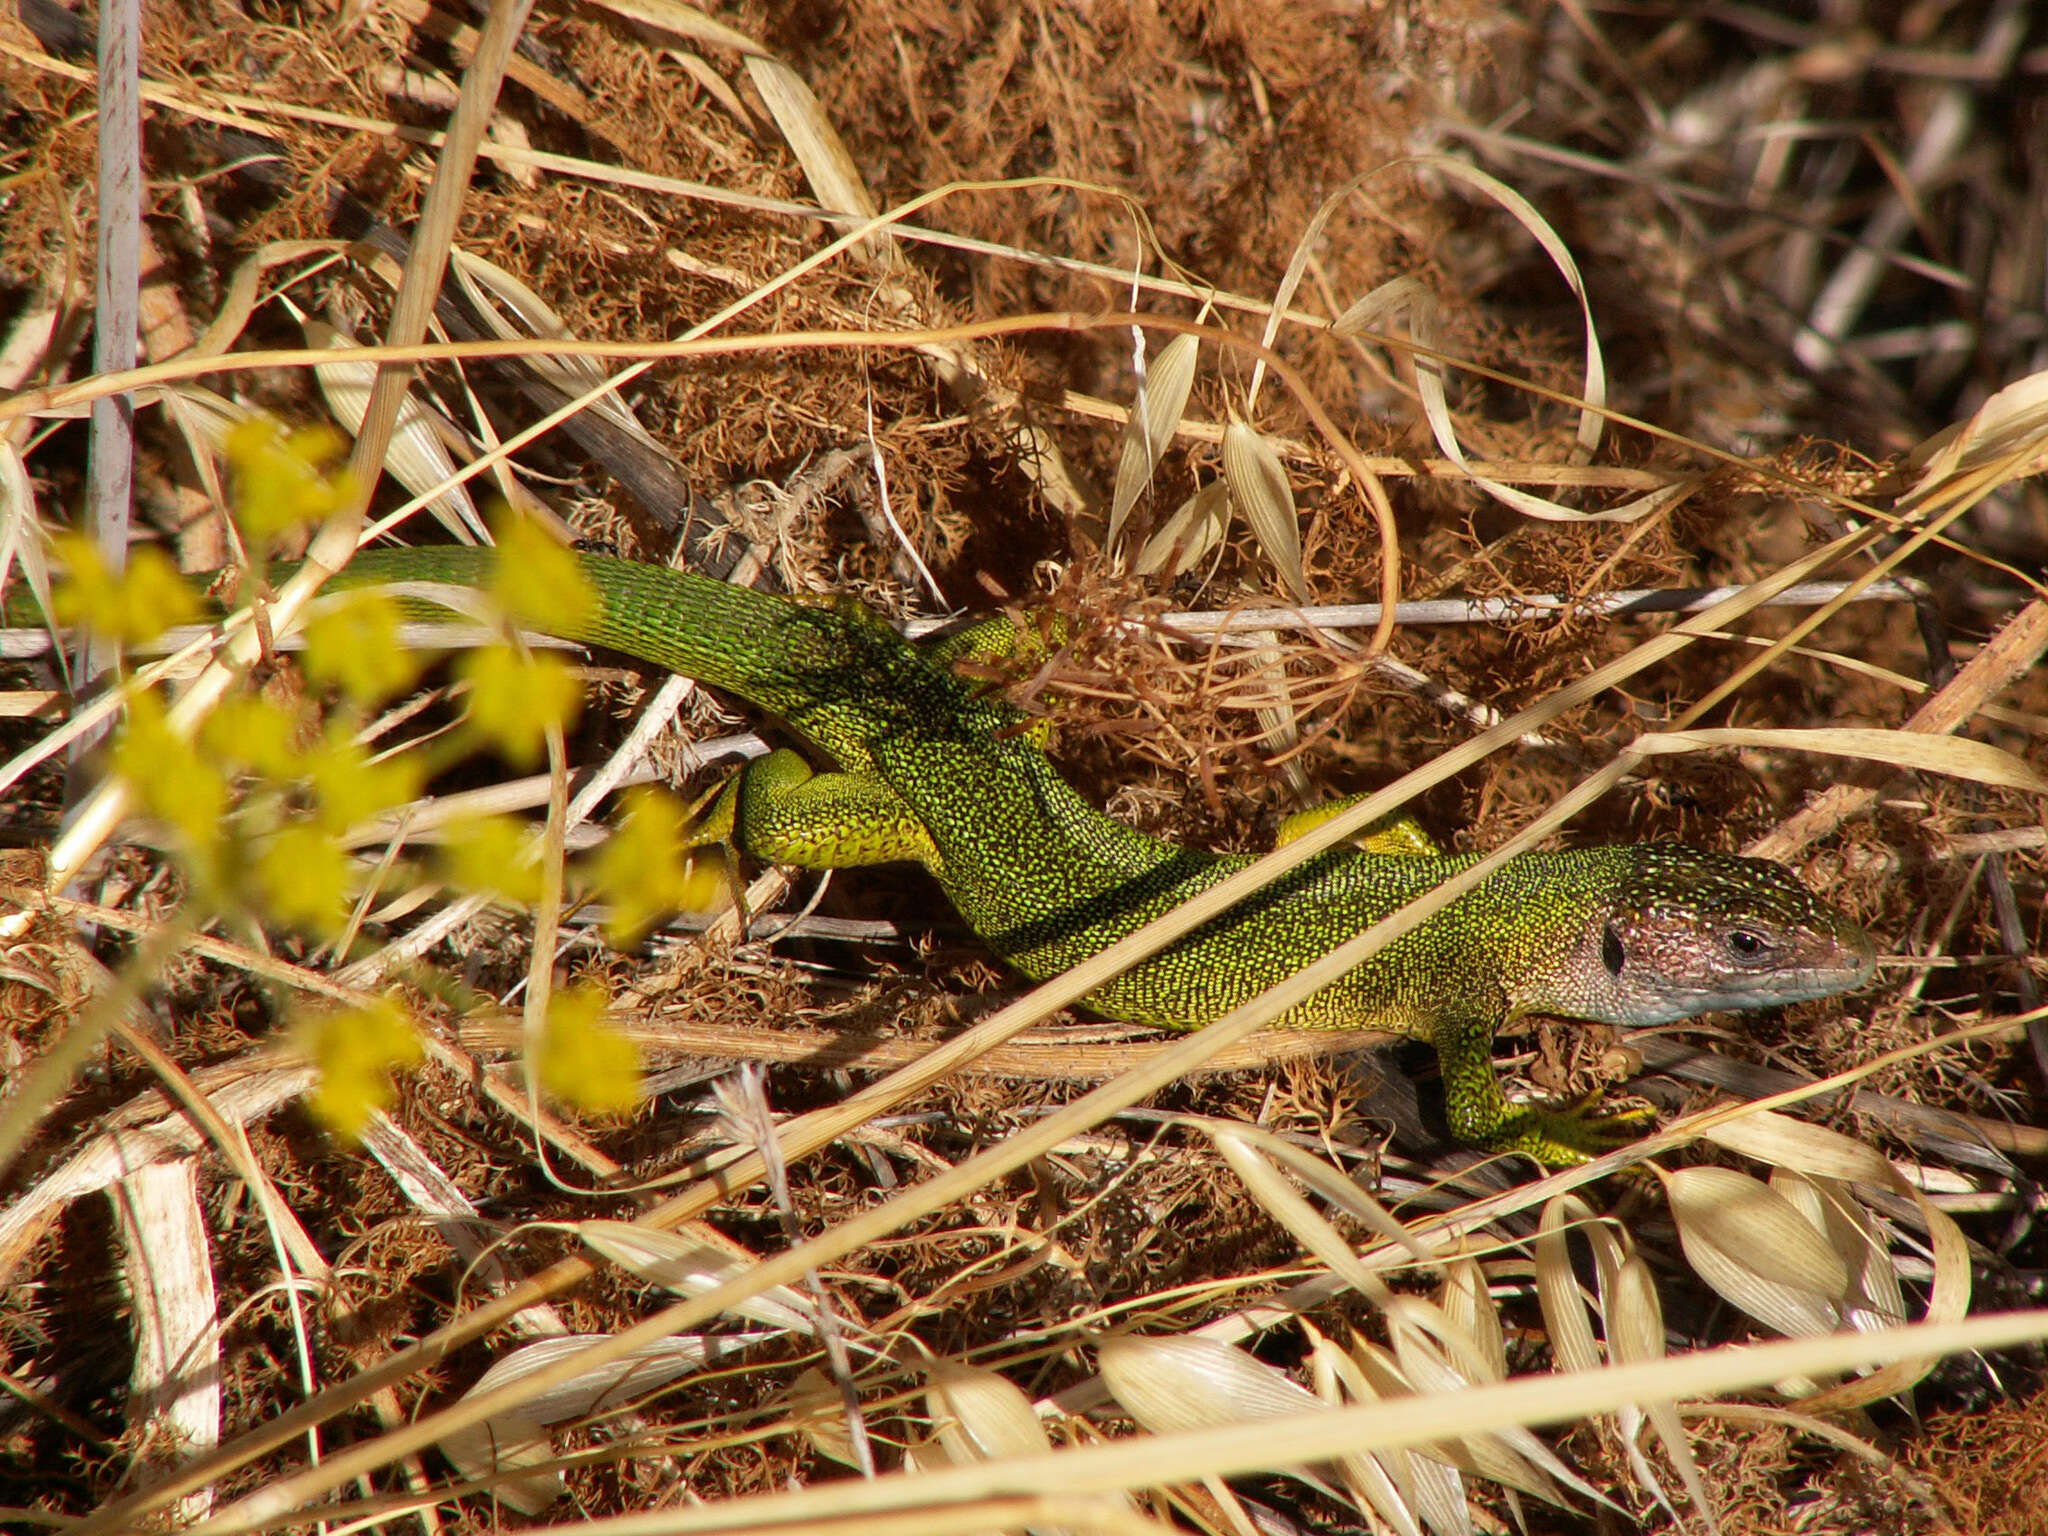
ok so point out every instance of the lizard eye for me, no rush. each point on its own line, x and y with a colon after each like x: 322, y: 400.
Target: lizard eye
x: 1746, y: 943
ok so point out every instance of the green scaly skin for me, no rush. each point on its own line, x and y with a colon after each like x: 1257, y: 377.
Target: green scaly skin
x: 935, y: 768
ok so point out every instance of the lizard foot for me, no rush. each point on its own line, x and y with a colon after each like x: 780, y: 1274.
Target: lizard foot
x: 1565, y: 1136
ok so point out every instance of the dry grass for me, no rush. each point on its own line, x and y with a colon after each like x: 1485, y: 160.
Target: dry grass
x: 1804, y: 253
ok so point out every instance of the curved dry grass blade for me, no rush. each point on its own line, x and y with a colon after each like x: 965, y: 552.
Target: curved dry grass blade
x: 1260, y: 488
x: 1285, y: 1205
x: 1244, y: 1146
x: 1511, y: 1456
x: 684, y: 21
x: 2007, y: 436
x: 1467, y: 1302
x: 821, y: 1410
x: 1290, y: 280
x: 1567, y: 1318
x: 1958, y: 757
x: 1174, y: 1382
x: 21, y: 538
x: 207, y: 418
x: 1859, y: 1239
x: 1162, y: 401
x: 1399, y: 1486
x: 1635, y: 1332
x: 1397, y: 295
x: 1422, y: 1332
x: 1632, y: 1320
x: 1519, y: 208
x: 1814, y: 1150
x: 828, y: 164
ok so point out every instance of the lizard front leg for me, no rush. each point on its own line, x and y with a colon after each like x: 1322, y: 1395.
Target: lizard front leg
x: 1481, y: 1114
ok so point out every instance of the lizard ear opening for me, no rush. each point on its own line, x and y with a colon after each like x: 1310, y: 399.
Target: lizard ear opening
x: 1613, y: 953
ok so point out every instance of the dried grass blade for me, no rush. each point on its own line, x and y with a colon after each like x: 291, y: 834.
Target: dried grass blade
x: 1512, y: 1455
x: 1958, y: 757
x: 2007, y: 435
x: 1333, y: 1184
x: 1383, y: 1483
x: 1851, y: 1242
x: 1814, y: 1150
x: 828, y: 164
x: 21, y: 541
x: 1863, y: 1238
x: 1285, y: 1205
x: 489, y: 285
x: 1523, y: 212
x: 507, y: 1448
x: 1467, y: 1302
x: 682, y: 20
x: 1175, y: 1382
x: 1566, y: 1317
x: 1395, y: 296
x: 167, y: 1260
x: 414, y: 455
x: 1948, y: 1298
x: 1635, y: 1332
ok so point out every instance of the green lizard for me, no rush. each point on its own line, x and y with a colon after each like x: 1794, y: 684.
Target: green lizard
x: 931, y: 767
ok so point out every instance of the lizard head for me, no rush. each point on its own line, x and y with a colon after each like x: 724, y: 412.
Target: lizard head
x: 1674, y: 931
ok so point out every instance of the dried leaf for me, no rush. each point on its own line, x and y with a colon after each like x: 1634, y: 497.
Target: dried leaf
x: 1196, y: 527
x: 1161, y: 403
x: 690, y: 1266
x: 1754, y: 1248
x: 1259, y: 487
x: 506, y: 1448
x: 981, y: 1416
x: 1177, y: 1382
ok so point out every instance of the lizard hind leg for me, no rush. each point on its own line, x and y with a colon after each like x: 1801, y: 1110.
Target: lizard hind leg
x: 1395, y: 835
x: 778, y: 810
